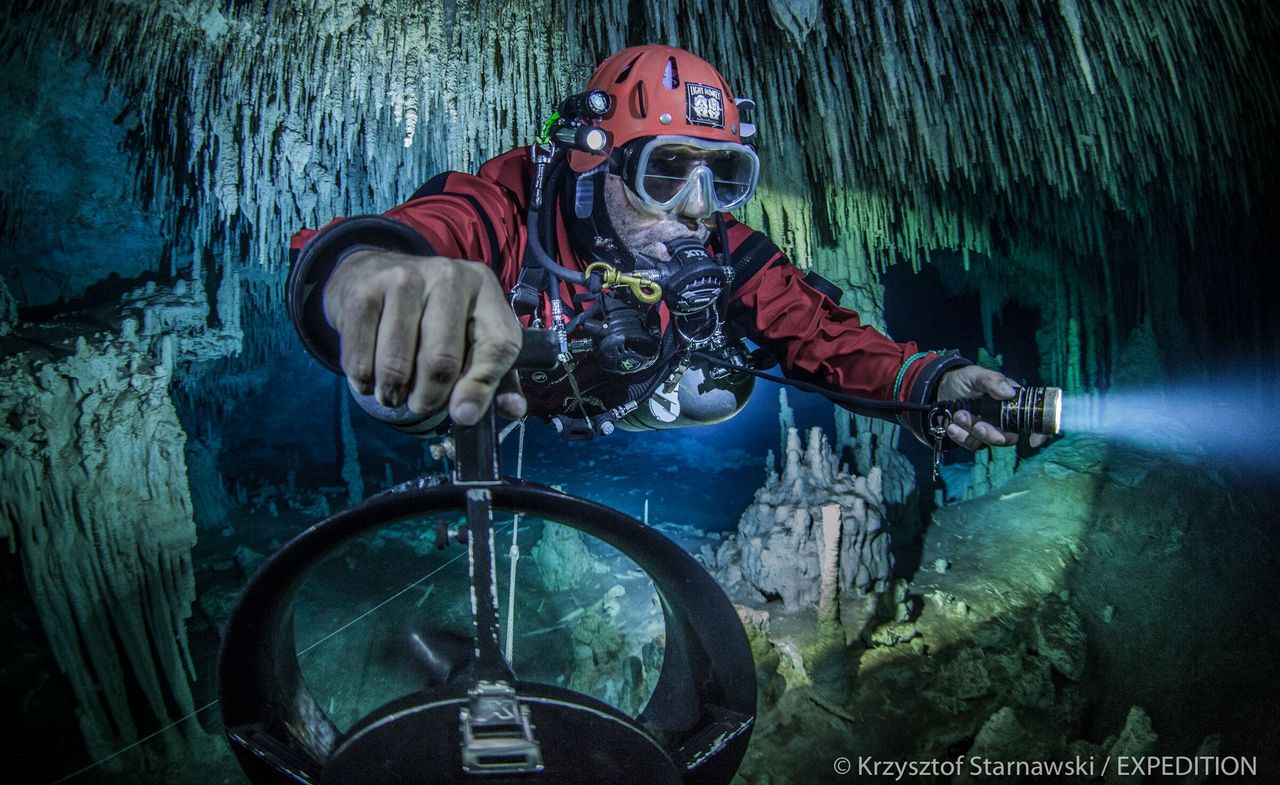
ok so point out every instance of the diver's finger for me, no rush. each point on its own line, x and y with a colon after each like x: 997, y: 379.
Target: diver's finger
x: 511, y: 400
x: 397, y: 335
x: 996, y: 385
x: 1038, y: 439
x: 963, y: 437
x: 442, y: 345
x: 991, y: 435
x: 494, y: 342
x: 357, y: 324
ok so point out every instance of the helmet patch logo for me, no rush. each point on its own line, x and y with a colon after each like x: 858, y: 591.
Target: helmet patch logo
x: 705, y: 105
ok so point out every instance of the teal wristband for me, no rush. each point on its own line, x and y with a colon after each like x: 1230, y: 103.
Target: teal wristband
x: 897, y: 383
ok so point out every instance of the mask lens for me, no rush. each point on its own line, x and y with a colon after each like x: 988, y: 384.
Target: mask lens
x: 667, y: 171
x: 732, y: 176
x: 668, y: 168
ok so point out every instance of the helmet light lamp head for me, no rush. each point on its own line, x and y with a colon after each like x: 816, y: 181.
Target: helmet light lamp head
x: 599, y: 102
x: 594, y: 139
x: 587, y: 138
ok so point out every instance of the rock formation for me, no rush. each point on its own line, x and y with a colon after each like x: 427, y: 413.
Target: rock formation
x: 95, y: 502
x: 778, y: 551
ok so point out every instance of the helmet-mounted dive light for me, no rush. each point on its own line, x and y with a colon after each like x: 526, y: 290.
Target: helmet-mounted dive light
x: 587, y: 138
x: 579, y: 111
x: 593, y: 103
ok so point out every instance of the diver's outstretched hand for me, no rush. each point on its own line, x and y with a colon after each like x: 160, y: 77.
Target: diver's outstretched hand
x: 426, y: 331
x: 966, y: 430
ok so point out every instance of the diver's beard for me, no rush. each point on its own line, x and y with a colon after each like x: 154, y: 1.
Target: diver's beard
x: 642, y: 232
x: 652, y: 241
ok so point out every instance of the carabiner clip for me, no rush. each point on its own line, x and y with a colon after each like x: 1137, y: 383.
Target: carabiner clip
x: 642, y: 289
x: 938, y: 419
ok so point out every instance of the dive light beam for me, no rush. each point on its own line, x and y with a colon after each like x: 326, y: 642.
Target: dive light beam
x: 1228, y: 421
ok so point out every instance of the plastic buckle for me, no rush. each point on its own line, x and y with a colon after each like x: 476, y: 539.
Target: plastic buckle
x: 574, y: 429
x: 497, y: 736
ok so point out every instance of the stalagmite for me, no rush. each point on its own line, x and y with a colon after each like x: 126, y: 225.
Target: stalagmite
x: 8, y: 310
x: 95, y: 502
x: 867, y: 442
x: 829, y: 592
x: 786, y: 419
x: 780, y: 548
x: 349, y: 449
x: 791, y: 453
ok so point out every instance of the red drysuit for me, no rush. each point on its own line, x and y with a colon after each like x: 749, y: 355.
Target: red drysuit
x: 482, y: 218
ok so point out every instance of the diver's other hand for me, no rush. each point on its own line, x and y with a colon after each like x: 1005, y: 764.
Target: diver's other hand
x: 426, y: 331
x: 966, y: 430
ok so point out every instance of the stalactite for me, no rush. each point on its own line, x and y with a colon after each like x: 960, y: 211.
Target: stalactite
x: 914, y: 127
x: 1114, y: 111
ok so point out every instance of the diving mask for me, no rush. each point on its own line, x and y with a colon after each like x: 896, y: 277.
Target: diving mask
x: 665, y: 171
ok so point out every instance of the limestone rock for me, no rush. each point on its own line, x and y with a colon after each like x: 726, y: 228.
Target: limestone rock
x: 97, y: 505
x: 964, y: 677
x: 892, y: 634
x: 1003, y: 739
x: 562, y: 557
x: 1060, y: 636
x: 778, y: 550
x: 1136, y: 740
x: 248, y: 560
x: 609, y: 663
x: 8, y: 309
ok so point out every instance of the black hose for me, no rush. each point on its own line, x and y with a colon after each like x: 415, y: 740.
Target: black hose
x: 640, y: 391
x: 590, y: 311
x: 854, y: 400
x: 549, y: 187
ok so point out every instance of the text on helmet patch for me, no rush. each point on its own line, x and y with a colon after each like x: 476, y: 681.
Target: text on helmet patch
x: 705, y: 105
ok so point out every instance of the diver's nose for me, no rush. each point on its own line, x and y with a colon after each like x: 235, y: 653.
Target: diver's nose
x: 697, y: 202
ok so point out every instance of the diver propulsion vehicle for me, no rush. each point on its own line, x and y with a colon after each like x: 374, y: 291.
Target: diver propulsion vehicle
x: 486, y: 726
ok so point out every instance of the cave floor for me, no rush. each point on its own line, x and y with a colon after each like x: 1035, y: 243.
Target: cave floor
x: 1098, y: 579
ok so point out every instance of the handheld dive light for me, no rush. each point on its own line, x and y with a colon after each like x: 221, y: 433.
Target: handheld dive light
x: 1031, y: 410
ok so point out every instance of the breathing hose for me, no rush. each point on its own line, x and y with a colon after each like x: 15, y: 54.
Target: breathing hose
x: 536, y: 213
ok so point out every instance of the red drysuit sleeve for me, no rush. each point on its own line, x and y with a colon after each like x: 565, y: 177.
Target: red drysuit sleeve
x: 816, y: 339
x: 456, y: 215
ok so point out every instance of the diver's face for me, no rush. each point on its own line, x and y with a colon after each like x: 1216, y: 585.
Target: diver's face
x: 644, y: 229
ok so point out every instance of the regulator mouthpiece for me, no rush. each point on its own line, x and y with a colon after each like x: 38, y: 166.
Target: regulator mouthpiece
x: 1031, y: 410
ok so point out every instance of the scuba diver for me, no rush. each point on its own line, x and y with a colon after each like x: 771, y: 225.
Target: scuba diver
x: 597, y: 279
x: 613, y: 230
